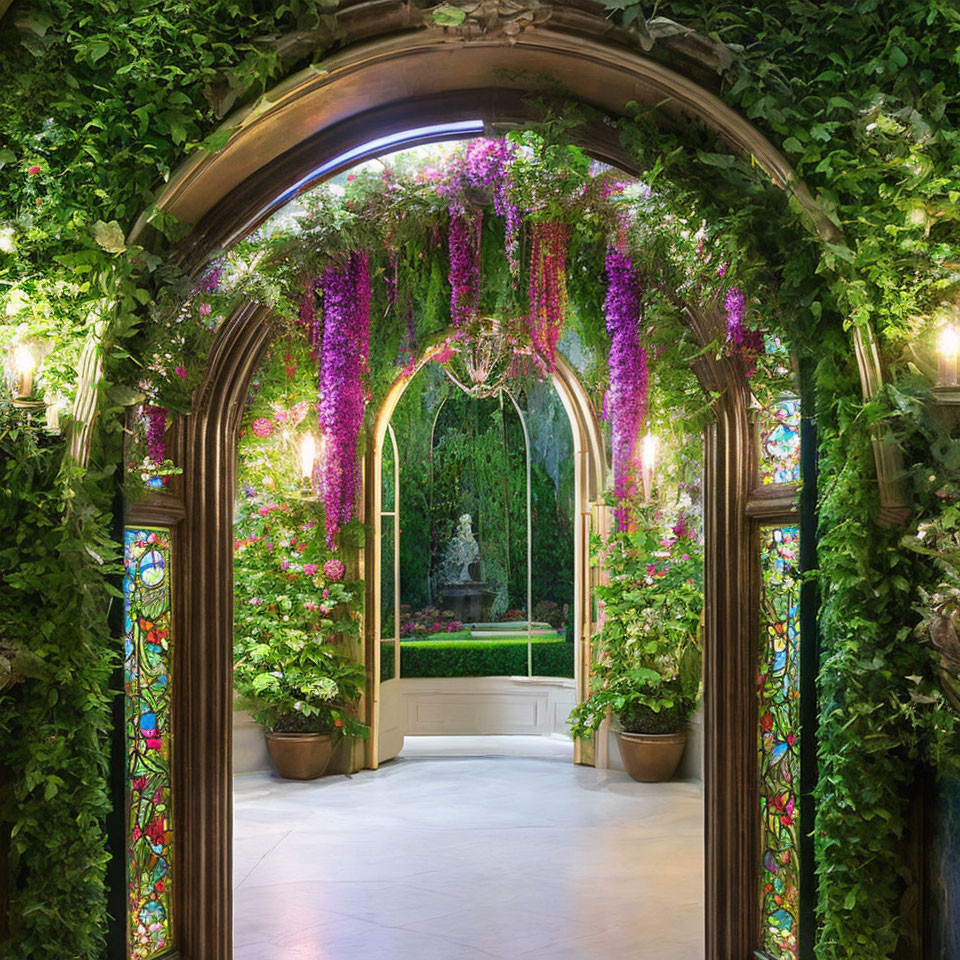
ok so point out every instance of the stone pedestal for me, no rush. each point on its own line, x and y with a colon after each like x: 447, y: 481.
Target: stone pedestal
x: 470, y: 601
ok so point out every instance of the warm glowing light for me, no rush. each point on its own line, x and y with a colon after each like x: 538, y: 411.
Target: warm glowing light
x: 24, y: 360
x: 308, y: 455
x: 949, y: 342
x: 648, y: 463
x: 948, y: 346
x: 649, y: 452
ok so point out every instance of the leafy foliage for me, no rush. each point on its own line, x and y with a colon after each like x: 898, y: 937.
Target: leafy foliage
x: 296, y: 620
x: 648, y: 660
x: 55, y: 568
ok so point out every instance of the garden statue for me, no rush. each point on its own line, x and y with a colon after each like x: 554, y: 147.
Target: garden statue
x: 463, y: 551
x: 461, y: 586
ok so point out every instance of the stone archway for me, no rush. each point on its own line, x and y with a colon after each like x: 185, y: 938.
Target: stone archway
x: 391, y: 76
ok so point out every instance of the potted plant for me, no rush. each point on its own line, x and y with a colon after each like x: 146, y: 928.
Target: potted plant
x: 648, y: 655
x: 295, y: 622
x: 303, y: 691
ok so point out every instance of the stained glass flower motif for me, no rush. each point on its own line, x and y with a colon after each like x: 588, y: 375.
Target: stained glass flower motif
x: 147, y: 653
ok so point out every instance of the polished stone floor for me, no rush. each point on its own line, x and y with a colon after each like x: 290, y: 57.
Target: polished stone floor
x: 467, y: 849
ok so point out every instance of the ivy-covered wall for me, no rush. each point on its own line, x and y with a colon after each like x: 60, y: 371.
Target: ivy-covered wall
x: 101, y: 99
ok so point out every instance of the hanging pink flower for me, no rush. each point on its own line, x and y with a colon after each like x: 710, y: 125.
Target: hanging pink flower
x: 744, y: 343
x: 262, y: 427
x: 464, y: 273
x: 156, y: 430
x: 346, y: 348
x: 548, y: 289
x: 180, y: 372
x: 626, y: 401
x: 334, y: 569
x: 488, y: 163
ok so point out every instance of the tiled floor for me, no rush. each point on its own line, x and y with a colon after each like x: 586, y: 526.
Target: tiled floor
x: 510, y: 852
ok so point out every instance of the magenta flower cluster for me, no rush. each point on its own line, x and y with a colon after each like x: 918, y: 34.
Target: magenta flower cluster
x: 744, y: 343
x: 156, y: 429
x: 464, y: 273
x: 211, y: 281
x: 346, y: 348
x: 486, y: 163
x: 626, y: 400
x: 548, y: 289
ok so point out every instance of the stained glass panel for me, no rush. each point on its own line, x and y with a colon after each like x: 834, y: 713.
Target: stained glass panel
x: 779, y: 691
x: 148, y: 635
x: 780, y: 442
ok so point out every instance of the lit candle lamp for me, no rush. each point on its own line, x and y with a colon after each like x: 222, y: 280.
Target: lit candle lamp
x: 648, y: 463
x: 948, y: 348
x: 21, y: 364
x: 308, y: 456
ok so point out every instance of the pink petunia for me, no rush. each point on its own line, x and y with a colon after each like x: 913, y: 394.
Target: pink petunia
x: 262, y: 427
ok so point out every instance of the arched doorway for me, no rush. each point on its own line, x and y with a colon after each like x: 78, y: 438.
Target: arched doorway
x: 316, y: 124
x: 590, y: 513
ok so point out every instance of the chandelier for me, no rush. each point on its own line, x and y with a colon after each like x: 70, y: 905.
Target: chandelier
x: 486, y: 357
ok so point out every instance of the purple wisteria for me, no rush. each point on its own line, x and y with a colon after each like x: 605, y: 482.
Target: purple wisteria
x: 548, y: 289
x: 156, y: 428
x: 346, y: 348
x: 486, y: 163
x: 744, y: 343
x: 626, y: 400
x: 464, y: 266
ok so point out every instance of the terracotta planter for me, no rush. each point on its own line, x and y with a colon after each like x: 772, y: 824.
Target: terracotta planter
x: 300, y: 756
x: 651, y: 757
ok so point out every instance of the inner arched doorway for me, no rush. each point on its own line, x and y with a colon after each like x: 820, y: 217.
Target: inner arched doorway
x: 453, y: 83
x: 589, y: 511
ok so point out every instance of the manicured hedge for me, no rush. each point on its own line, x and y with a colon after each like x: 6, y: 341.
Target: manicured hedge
x: 479, y: 658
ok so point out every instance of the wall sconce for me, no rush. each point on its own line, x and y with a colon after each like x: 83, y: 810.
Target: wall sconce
x: 22, y: 362
x: 947, y: 390
x: 308, y: 456
x: 648, y: 464
x: 948, y: 351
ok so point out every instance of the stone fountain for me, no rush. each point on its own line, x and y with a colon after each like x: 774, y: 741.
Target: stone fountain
x: 461, y: 585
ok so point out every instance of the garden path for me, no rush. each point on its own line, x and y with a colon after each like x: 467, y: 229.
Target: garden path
x: 465, y: 849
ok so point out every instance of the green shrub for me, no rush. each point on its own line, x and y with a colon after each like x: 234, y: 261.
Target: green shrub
x: 482, y: 658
